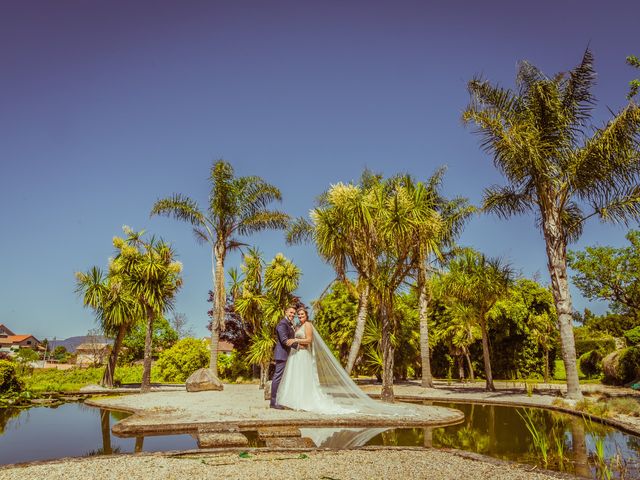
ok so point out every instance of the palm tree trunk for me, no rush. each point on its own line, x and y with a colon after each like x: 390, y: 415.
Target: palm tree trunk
x: 460, y: 363
x: 264, y: 373
x: 110, y: 370
x: 557, y: 257
x: 546, y: 365
x: 472, y: 377
x: 363, y: 303
x: 485, y: 355
x: 423, y: 302
x: 106, y: 432
x: 218, y: 308
x: 146, y: 372
x: 387, y: 394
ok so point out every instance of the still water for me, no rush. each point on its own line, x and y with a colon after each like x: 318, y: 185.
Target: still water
x: 74, y: 429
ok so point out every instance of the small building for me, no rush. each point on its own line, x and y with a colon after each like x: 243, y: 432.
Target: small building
x: 89, y: 354
x: 224, y: 347
x: 11, y: 341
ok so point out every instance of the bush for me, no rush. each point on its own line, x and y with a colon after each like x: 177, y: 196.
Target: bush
x: 604, y: 345
x: 181, y: 360
x: 9, y: 382
x: 590, y: 363
x: 629, y: 364
x: 232, y: 366
x: 633, y: 336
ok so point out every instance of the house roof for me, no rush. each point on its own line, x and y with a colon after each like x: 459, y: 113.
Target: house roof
x: 225, y: 346
x: 11, y: 339
x: 6, y: 329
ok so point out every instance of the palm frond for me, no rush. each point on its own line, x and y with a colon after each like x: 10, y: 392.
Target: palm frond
x: 506, y: 201
x: 299, y: 231
x: 180, y: 207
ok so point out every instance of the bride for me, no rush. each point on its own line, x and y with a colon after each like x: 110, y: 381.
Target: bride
x: 314, y: 381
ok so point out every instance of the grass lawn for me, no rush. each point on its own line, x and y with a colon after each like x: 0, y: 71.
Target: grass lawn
x: 53, y: 380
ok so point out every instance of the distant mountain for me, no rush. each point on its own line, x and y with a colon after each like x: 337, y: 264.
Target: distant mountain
x: 72, y: 343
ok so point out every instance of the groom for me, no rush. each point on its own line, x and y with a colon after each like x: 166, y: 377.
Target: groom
x: 284, y: 341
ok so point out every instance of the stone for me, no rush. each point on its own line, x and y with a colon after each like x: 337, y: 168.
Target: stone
x: 203, y: 380
x: 268, y: 432
x: 221, y: 439
x: 289, y: 442
x: 267, y: 390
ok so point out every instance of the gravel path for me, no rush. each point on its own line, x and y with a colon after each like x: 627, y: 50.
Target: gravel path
x: 341, y: 465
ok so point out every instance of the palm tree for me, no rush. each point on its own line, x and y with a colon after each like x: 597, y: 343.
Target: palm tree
x: 557, y: 165
x: 446, y: 220
x: 281, y: 279
x: 115, y: 308
x: 149, y: 271
x: 237, y: 206
x: 477, y: 282
x: 342, y: 235
x: 460, y: 331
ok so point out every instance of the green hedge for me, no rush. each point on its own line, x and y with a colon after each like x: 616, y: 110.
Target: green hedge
x: 9, y: 381
x: 604, y: 345
x: 633, y: 336
x: 629, y: 365
x: 591, y: 363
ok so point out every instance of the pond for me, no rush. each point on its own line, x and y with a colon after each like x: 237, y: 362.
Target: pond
x: 74, y: 429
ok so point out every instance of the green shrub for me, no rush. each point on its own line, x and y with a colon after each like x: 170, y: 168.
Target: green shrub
x: 232, y: 366
x: 604, y: 345
x: 629, y: 365
x: 9, y: 381
x: 633, y: 336
x: 181, y: 360
x: 590, y: 363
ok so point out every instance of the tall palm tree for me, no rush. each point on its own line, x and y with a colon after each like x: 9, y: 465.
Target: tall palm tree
x: 558, y: 166
x: 447, y: 218
x: 478, y: 282
x: 115, y: 308
x: 149, y: 271
x: 237, y: 206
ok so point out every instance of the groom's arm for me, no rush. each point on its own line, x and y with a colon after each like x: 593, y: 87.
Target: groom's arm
x: 283, y: 334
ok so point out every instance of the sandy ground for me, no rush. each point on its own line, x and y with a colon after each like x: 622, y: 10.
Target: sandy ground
x: 395, y: 464
x: 241, y: 406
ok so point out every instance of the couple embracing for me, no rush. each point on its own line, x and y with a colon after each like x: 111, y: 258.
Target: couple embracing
x: 308, y: 377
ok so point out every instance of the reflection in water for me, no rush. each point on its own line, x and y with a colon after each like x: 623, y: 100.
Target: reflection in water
x: 72, y: 430
x: 500, y: 432
x: 341, y: 437
x: 42, y: 433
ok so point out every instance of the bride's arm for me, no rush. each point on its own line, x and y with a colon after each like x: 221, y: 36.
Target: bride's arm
x: 308, y: 335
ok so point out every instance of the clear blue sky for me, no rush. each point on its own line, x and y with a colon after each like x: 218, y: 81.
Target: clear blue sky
x: 107, y: 106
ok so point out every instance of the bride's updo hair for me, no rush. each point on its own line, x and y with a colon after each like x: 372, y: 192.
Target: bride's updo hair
x: 304, y: 309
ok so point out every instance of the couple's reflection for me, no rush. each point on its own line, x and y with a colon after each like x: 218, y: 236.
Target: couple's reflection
x: 341, y: 437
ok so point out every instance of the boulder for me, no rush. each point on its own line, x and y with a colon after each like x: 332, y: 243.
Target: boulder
x: 202, y: 380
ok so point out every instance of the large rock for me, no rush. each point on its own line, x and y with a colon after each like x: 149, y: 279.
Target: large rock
x: 202, y: 380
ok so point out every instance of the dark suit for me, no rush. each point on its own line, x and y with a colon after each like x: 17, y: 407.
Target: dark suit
x: 284, y: 332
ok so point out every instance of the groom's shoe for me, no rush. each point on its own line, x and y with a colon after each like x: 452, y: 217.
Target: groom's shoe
x: 277, y: 407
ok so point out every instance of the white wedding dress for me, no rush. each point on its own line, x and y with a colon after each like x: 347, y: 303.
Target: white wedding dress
x: 300, y: 386
x: 314, y: 381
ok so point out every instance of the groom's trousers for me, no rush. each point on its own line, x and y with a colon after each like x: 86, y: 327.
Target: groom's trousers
x: 275, y: 382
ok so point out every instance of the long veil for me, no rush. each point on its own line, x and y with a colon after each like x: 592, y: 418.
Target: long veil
x: 337, y: 384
